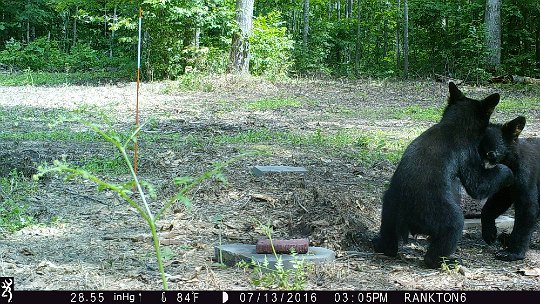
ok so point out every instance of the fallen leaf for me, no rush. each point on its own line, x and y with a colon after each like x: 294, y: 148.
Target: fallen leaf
x: 263, y: 198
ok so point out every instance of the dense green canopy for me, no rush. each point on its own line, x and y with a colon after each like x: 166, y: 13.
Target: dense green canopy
x: 344, y: 38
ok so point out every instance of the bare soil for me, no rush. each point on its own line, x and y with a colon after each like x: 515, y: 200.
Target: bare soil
x: 98, y: 243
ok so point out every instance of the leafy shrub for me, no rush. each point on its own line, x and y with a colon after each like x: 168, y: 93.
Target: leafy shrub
x: 82, y: 57
x: 45, y: 55
x: 40, y: 54
x: 270, y: 47
x: 206, y: 60
x: 10, y: 56
x: 472, y: 55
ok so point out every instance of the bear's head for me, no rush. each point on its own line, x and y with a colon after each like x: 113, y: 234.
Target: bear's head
x: 499, y: 141
x: 470, y: 113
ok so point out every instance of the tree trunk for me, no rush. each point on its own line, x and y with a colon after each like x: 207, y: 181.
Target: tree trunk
x: 348, y: 9
x: 28, y: 30
x: 398, y: 36
x: 493, y: 32
x: 294, y: 22
x: 385, y: 38
x: 65, y: 30
x: 113, y: 32
x: 240, y: 56
x: 358, y: 32
x: 197, y: 38
x: 305, y: 32
x: 338, y: 8
x: 538, y: 40
x: 75, y: 25
x: 27, y: 24
x: 330, y: 6
x: 405, y: 39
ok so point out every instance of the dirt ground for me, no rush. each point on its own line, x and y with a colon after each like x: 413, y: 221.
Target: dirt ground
x: 98, y: 243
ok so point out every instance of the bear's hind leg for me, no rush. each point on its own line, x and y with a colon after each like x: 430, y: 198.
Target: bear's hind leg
x: 527, y: 209
x: 388, y: 240
x: 443, y: 244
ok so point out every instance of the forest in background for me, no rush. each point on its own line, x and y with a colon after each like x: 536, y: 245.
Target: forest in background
x: 337, y: 38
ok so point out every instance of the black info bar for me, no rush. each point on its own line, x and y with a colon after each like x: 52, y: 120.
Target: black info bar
x: 259, y: 296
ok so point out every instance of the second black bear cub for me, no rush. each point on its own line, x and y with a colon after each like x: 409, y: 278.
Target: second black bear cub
x: 502, y: 145
x: 424, y: 192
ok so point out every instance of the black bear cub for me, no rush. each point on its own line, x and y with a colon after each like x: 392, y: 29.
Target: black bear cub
x: 424, y: 192
x: 502, y: 145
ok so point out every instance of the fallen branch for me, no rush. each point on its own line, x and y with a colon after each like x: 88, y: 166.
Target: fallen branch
x: 514, y: 79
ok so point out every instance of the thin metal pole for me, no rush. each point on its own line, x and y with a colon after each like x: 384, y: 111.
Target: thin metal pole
x: 136, y: 146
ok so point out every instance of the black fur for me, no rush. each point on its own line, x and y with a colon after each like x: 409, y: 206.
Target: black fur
x: 502, y: 145
x: 424, y: 192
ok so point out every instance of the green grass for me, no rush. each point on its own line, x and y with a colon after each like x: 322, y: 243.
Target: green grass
x: 58, y: 135
x: 19, y: 113
x: 273, y: 103
x: 365, y: 146
x: 189, y: 82
x: 417, y: 113
x: 47, y: 78
x: 105, y: 165
x: 14, y: 189
x: 413, y: 112
x: 519, y: 104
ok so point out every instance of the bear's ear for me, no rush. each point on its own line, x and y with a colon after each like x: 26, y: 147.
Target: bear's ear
x: 490, y: 102
x: 455, y: 93
x: 513, y: 128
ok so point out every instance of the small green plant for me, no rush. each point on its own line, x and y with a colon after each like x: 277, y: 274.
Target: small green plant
x: 218, y: 220
x: 14, y: 189
x: 277, y: 276
x: 449, y: 266
x: 29, y: 76
x: 142, y: 188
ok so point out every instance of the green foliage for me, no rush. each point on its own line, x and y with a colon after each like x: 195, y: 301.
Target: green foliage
x: 172, y: 26
x: 183, y: 36
x: 277, y: 276
x: 11, y: 54
x: 45, y: 56
x: 317, y: 58
x: 194, y: 60
x: 520, y: 19
x: 470, y: 62
x: 14, y: 190
x: 270, y: 47
x: 29, y: 77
